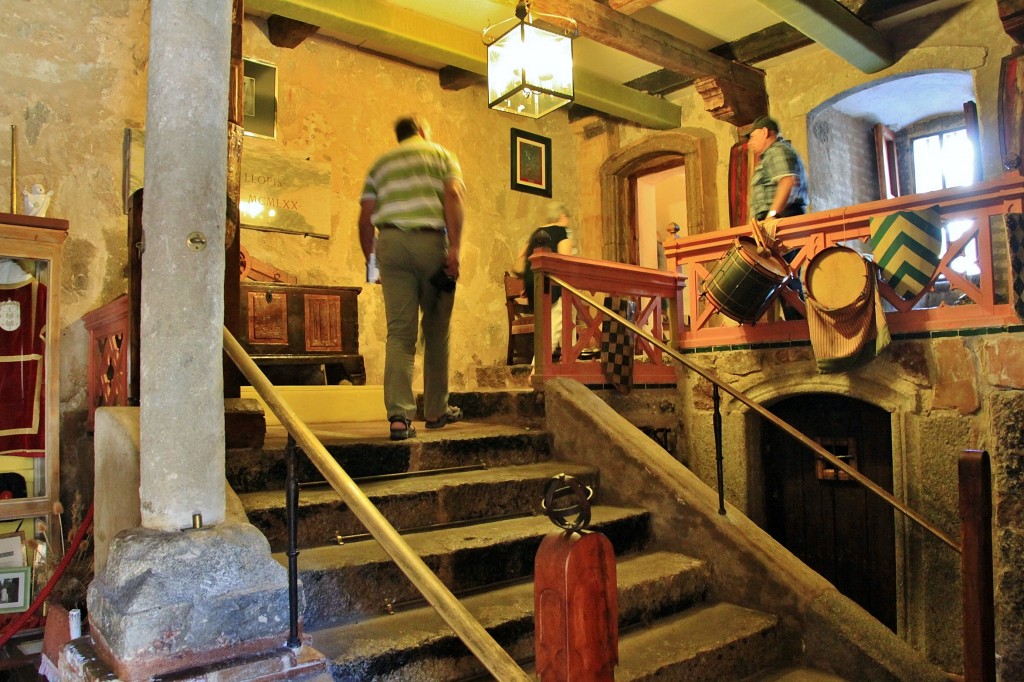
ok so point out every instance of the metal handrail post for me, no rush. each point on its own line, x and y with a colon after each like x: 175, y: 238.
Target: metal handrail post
x: 292, y: 506
x: 719, y: 461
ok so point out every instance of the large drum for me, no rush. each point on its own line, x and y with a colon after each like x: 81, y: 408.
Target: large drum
x: 836, y: 278
x: 743, y: 282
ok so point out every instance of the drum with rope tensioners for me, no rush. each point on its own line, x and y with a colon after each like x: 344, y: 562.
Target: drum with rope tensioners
x: 745, y: 280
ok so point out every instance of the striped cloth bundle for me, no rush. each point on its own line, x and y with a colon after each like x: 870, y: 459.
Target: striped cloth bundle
x: 850, y: 335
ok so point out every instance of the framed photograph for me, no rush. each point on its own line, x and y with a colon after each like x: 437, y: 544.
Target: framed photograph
x: 259, y: 96
x: 531, y: 163
x: 12, y: 550
x: 14, y: 589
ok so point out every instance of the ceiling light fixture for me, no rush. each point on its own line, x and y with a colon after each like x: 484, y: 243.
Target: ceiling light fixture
x: 529, y: 67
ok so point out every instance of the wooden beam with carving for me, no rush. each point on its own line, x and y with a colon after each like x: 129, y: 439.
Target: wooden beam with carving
x: 730, y: 103
x: 288, y: 33
x: 621, y: 32
x: 1011, y: 13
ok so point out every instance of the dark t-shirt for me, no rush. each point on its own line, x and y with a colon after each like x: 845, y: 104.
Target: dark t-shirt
x: 552, y: 235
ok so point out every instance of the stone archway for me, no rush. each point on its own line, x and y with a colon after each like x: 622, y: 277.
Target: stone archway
x: 618, y: 225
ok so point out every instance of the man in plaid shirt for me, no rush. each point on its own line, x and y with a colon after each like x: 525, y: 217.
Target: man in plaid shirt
x: 778, y: 187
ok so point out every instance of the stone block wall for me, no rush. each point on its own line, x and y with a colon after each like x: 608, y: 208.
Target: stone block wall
x: 945, y: 396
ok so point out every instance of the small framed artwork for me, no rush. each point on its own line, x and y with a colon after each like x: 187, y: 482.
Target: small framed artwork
x: 12, y: 550
x: 14, y: 589
x: 259, y: 96
x: 531, y: 163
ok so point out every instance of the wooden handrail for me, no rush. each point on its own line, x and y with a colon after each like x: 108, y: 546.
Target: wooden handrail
x: 468, y: 629
x: 976, y: 566
x: 766, y: 414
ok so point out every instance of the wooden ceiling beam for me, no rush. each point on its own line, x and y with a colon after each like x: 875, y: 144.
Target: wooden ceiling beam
x: 387, y: 29
x: 604, y: 25
x: 834, y: 27
x: 629, y: 6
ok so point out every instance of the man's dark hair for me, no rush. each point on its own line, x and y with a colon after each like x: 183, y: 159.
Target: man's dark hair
x: 407, y: 126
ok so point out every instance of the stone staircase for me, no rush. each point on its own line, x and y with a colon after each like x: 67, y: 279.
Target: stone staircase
x: 466, y: 498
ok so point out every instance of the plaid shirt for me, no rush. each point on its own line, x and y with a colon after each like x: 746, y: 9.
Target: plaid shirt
x: 778, y: 161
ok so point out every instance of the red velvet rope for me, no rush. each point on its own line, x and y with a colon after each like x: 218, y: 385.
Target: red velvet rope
x: 17, y: 624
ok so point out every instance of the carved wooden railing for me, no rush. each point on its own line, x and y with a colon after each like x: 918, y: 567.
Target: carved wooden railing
x: 983, y: 298
x: 582, y: 322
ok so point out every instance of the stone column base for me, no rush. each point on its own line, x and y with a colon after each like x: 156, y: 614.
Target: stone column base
x: 170, y: 601
x: 79, y: 662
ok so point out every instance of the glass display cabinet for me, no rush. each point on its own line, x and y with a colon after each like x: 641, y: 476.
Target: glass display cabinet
x: 30, y: 260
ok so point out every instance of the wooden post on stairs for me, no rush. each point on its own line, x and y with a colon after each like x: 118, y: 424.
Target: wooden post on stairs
x: 575, y: 608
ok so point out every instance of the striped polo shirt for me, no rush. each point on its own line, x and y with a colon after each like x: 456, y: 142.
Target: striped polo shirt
x: 407, y: 183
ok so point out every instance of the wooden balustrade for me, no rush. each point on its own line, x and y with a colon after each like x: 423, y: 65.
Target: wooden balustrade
x: 581, y: 322
x: 985, y: 296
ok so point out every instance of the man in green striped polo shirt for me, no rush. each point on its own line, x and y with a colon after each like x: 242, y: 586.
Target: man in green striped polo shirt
x: 413, y: 197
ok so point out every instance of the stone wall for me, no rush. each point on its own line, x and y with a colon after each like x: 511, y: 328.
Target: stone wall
x: 74, y: 77
x: 945, y: 396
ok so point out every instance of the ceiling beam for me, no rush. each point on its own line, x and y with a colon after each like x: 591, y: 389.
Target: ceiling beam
x: 604, y: 25
x: 379, y: 27
x: 836, y: 28
x: 629, y: 6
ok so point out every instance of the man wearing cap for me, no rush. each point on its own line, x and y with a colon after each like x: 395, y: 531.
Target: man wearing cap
x: 778, y: 187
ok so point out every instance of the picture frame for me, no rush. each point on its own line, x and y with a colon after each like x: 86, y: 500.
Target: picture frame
x: 259, y: 99
x: 531, y: 163
x: 15, y: 588
x: 12, y: 550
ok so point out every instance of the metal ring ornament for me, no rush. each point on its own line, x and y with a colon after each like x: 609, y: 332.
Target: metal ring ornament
x: 567, y: 503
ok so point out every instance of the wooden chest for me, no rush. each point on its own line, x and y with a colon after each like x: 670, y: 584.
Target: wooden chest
x: 290, y: 330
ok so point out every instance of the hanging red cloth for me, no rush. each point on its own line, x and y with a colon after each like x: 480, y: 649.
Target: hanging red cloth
x: 22, y: 369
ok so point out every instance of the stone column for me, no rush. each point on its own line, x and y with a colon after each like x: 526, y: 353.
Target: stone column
x: 182, y: 401
x: 170, y: 597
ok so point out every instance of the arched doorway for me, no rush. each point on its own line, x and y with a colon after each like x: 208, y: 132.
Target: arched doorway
x: 834, y: 525
x: 618, y: 189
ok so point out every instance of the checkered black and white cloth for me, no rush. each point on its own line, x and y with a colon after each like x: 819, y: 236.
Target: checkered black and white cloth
x: 1015, y: 233
x: 617, y: 344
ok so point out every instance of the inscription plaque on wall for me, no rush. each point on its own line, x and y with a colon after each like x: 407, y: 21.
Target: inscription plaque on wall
x: 284, y: 192
x: 281, y: 190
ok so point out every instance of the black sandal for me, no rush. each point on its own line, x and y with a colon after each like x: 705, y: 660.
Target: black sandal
x: 450, y: 416
x: 407, y: 430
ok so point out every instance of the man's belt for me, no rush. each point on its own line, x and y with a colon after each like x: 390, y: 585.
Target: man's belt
x: 389, y: 226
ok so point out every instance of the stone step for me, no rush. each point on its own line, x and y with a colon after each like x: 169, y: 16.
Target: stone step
x: 417, y: 645
x: 412, y: 502
x: 364, y: 449
x: 794, y: 675
x: 721, y: 642
x: 351, y: 582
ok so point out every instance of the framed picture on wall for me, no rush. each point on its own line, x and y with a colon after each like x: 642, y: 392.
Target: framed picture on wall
x: 259, y: 94
x: 12, y: 550
x: 531, y: 163
x: 14, y: 589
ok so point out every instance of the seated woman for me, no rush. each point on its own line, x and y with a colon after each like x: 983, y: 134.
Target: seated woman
x: 554, y: 236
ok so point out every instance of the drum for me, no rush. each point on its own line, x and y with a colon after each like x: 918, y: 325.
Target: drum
x: 743, y: 282
x: 836, y: 277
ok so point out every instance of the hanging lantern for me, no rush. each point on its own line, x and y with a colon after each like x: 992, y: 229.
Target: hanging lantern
x: 529, y: 67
